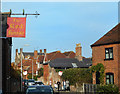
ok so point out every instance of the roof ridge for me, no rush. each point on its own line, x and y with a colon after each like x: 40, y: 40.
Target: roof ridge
x: 54, y: 55
x: 70, y: 53
x: 109, y: 37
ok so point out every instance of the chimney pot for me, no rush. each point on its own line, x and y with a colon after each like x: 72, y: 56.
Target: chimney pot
x: 40, y: 50
x: 21, y: 50
x: 78, y: 45
x: 44, y: 50
x: 35, y: 54
x: 16, y: 52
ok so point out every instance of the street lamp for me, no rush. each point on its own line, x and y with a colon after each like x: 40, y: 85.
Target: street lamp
x: 21, y: 71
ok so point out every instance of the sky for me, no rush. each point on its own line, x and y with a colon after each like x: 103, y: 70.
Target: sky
x: 60, y: 0
x: 61, y: 25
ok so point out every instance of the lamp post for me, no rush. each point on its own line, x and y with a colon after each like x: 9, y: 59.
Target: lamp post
x: 21, y: 72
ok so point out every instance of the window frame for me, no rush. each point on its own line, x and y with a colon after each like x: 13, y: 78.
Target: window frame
x: 109, y: 78
x: 110, y: 50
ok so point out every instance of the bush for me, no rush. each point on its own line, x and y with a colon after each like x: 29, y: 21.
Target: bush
x: 108, y: 89
x: 40, y: 72
x: 15, y: 73
x: 77, y: 76
x: 30, y: 77
x: 57, y: 70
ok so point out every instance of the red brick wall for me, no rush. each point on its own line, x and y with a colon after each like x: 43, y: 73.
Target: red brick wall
x: 98, y: 56
x: 119, y: 65
x: 46, y: 72
x: 35, y: 54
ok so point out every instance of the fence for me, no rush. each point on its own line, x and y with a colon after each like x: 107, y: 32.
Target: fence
x: 90, y: 88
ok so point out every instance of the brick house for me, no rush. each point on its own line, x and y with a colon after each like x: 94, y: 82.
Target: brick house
x: 106, y: 50
x: 51, y: 61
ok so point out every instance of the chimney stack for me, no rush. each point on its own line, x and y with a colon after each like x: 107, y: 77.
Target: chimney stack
x: 35, y: 54
x: 16, y: 52
x: 21, y: 50
x: 44, y: 50
x: 40, y: 50
x: 78, y: 53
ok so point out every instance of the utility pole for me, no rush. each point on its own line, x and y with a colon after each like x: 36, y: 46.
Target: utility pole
x: 21, y: 72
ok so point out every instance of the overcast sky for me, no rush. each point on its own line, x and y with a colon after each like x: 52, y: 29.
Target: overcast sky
x: 63, y: 24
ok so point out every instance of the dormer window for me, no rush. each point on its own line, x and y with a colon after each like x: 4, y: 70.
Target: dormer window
x: 109, y: 53
x: 74, y: 65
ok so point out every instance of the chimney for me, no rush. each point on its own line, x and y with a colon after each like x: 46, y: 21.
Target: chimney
x: 78, y: 53
x: 44, y: 50
x: 35, y: 54
x: 21, y: 50
x: 16, y: 52
x: 40, y: 50
x: 16, y: 57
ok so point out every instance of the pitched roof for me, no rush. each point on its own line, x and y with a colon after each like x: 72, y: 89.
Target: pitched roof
x: 67, y: 53
x: 40, y: 58
x: 54, y: 55
x: 111, y: 37
x: 27, y: 65
x: 70, y: 62
x: 70, y: 54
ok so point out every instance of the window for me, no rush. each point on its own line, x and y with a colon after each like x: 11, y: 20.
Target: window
x: 38, y: 65
x: 108, y: 53
x: 109, y: 78
x: 36, y: 72
x: 74, y: 65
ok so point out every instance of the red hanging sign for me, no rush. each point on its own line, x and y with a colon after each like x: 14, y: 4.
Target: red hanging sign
x: 16, y: 27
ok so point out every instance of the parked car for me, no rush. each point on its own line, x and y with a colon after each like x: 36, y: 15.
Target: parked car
x: 39, y: 83
x: 30, y: 82
x: 25, y: 82
x: 40, y: 89
x: 0, y: 91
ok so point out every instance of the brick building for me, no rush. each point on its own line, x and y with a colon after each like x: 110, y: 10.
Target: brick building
x: 107, y: 51
x: 51, y: 61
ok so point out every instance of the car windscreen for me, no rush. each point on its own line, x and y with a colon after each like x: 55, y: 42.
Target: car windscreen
x: 31, y: 81
x: 45, y: 89
x: 39, y: 90
x: 40, y: 83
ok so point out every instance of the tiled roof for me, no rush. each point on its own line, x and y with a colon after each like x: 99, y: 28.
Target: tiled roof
x: 69, y: 62
x: 40, y: 58
x: 112, y: 37
x: 28, y: 63
x: 54, y: 55
x: 67, y: 53
x: 70, y: 54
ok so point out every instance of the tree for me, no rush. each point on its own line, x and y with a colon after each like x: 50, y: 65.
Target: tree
x: 15, y: 73
x: 40, y: 72
x: 30, y: 76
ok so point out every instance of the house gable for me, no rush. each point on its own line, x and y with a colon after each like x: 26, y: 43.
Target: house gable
x: 111, y: 37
